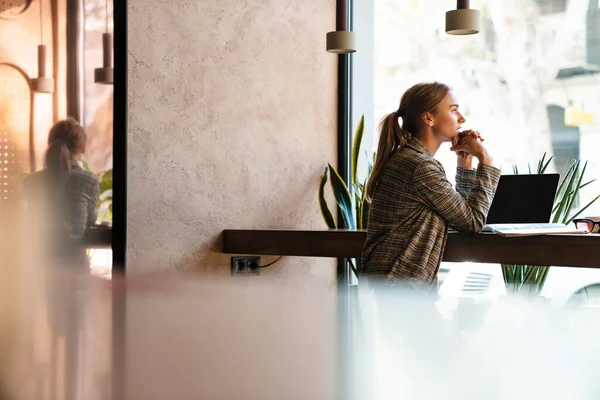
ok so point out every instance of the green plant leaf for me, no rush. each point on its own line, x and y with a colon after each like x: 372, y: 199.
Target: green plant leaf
x: 575, y: 194
x: 87, y: 166
x: 584, y: 208
x: 563, y: 181
x: 106, y: 175
x: 106, y: 185
x: 358, y: 135
x: 323, y: 202
x: 564, y: 201
x: 587, y: 183
x: 342, y: 196
x: 545, y: 166
x: 365, y: 208
x: 357, y: 209
x: 531, y: 278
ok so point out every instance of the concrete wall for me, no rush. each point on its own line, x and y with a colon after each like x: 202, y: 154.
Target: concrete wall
x: 232, y: 118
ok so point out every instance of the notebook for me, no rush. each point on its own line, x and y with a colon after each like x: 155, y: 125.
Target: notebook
x: 511, y: 230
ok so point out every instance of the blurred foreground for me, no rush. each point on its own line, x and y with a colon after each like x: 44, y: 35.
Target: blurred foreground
x: 66, y: 333
x: 174, y: 337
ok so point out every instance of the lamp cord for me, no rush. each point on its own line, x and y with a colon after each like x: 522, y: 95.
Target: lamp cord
x: 41, y: 26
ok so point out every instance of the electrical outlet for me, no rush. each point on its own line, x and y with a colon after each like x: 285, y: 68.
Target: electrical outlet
x: 249, y: 265
x: 238, y: 266
x: 253, y: 265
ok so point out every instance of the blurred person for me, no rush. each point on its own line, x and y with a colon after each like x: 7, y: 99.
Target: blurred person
x: 67, y: 194
x: 412, y: 201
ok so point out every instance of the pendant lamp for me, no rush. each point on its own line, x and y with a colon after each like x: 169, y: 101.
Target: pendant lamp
x: 42, y: 84
x: 341, y: 41
x: 463, y: 20
x: 104, y: 75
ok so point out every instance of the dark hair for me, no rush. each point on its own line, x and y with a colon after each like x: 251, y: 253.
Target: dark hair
x: 417, y: 100
x: 66, y: 140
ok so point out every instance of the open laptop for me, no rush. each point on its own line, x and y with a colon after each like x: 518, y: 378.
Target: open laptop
x: 523, y: 199
x: 523, y: 205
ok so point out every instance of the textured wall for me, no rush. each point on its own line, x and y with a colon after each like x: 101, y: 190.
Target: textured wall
x: 232, y: 110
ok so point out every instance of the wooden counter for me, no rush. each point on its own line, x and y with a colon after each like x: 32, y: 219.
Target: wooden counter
x: 553, y: 250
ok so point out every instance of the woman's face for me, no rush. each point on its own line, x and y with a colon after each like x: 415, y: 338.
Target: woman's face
x: 446, y: 120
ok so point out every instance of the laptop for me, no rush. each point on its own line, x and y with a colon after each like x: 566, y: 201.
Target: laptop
x: 523, y: 199
x: 522, y: 206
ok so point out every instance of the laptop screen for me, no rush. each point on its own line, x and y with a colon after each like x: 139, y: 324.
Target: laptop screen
x: 523, y: 199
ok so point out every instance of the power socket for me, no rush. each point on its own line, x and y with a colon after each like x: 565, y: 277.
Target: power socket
x: 248, y: 265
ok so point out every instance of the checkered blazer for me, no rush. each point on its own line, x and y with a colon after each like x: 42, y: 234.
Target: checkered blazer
x: 413, y: 205
x: 73, y: 209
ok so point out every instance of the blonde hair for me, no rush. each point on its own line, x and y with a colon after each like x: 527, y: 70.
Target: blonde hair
x: 417, y: 100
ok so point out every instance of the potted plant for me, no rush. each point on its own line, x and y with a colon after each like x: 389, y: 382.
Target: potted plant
x: 352, y: 203
x: 530, y: 279
x: 105, y: 197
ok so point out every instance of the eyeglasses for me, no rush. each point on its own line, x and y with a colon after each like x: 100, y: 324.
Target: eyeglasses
x: 586, y: 225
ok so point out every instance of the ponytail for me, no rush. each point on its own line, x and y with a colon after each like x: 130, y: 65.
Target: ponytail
x: 66, y: 140
x: 391, y: 139
x: 58, y: 160
x: 417, y: 100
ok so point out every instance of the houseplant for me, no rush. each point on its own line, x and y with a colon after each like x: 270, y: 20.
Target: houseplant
x: 530, y: 279
x: 105, y: 197
x: 352, y: 203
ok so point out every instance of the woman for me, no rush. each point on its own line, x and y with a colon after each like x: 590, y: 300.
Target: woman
x: 412, y: 201
x: 68, y: 193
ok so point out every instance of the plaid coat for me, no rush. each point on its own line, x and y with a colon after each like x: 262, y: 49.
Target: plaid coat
x: 75, y: 208
x: 413, y: 205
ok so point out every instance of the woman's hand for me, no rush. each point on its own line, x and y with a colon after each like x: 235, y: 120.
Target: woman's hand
x: 465, y: 160
x: 468, y: 144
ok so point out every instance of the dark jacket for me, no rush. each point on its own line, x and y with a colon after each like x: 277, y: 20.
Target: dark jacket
x: 73, y: 207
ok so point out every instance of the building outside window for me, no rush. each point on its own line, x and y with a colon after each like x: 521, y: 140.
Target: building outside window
x: 529, y: 82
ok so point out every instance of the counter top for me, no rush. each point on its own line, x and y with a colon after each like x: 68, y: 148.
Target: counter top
x: 553, y: 250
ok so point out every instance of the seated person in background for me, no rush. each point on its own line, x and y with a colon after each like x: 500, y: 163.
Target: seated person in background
x: 67, y: 193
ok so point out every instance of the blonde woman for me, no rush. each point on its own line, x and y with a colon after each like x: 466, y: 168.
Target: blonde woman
x: 412, y: 201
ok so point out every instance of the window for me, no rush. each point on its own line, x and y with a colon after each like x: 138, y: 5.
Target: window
x: 98, y: 101
x: 98, y: 98
x: 529, y: 81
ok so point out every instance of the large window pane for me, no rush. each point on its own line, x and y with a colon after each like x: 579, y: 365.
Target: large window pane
x: 529, y: 81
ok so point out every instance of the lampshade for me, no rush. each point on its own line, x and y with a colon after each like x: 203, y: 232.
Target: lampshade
x: 341, y: 42
x: 105, y: 74
x: 462, y: 22
x: 42, y: 84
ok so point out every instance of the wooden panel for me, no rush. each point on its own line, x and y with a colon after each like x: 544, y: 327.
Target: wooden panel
x: 326, y: 243
x: 555, y: 250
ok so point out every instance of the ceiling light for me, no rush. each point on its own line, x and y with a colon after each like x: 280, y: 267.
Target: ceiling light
x: 463, y: 20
